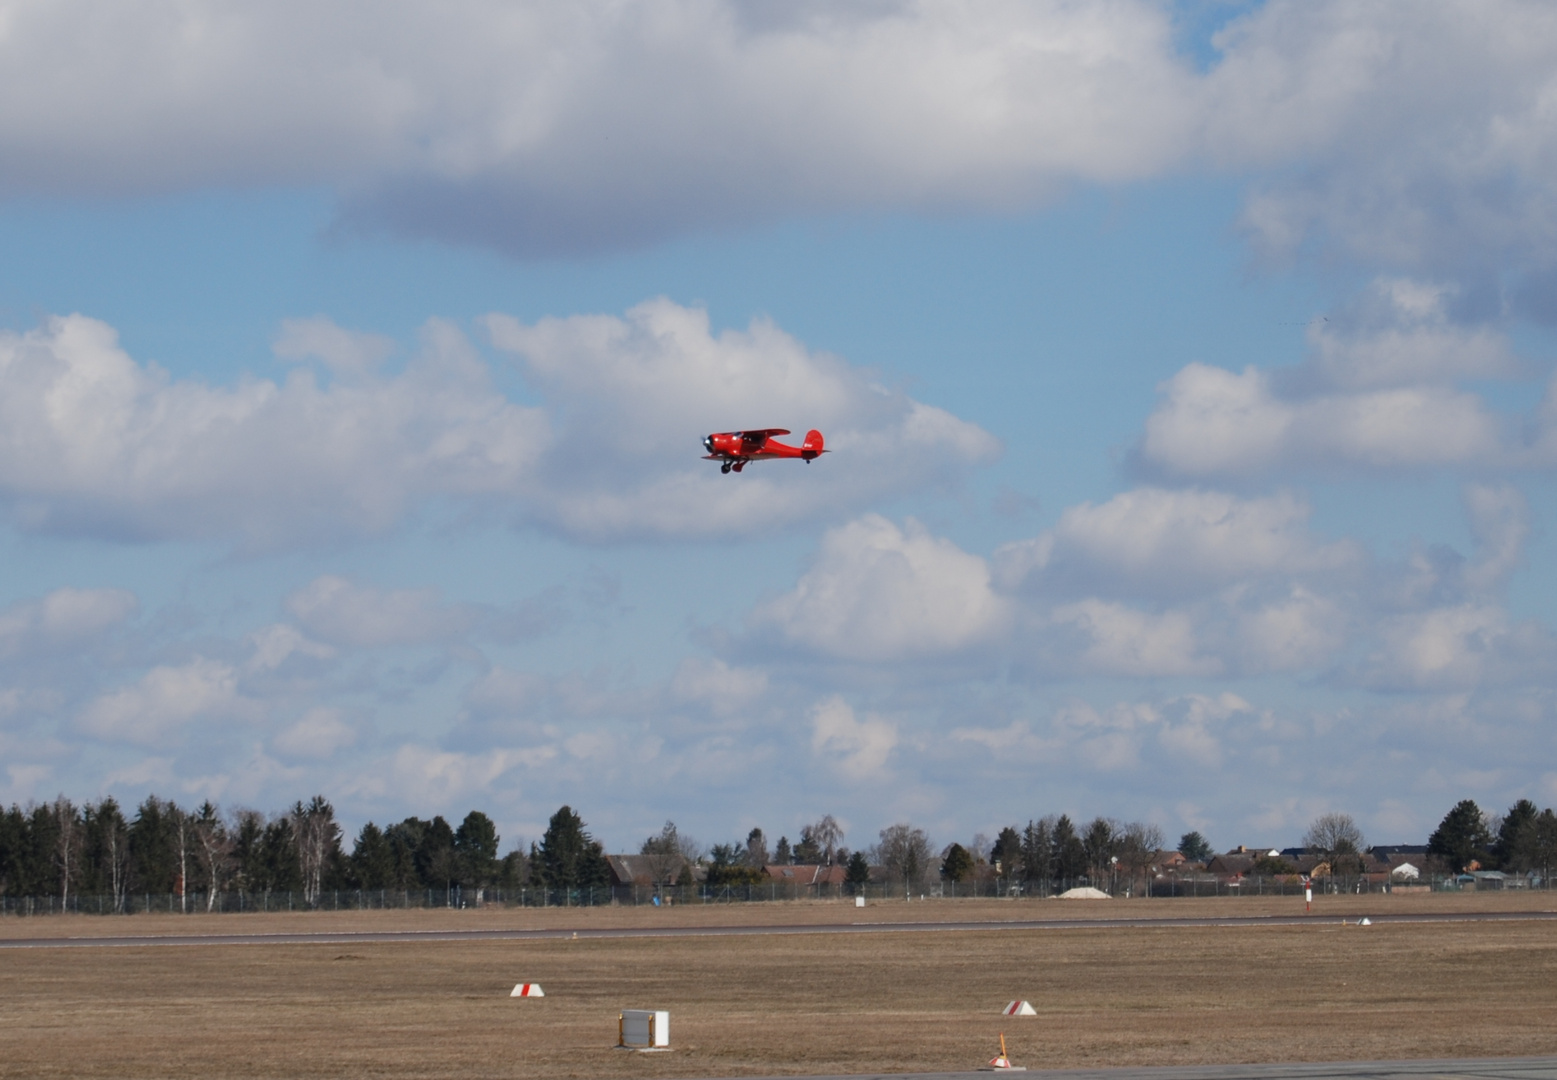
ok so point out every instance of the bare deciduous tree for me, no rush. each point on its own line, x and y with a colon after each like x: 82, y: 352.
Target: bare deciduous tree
x: 67, y: 843
x: 213, y: 847
x: 1136, y: 843
x: 906, y: 853
x: 667, y: 853
x: 113, y: 836
x: 1100, y: 842
x: 317, y: 836
x: 823, y: 837
x: 1338, y: 839
x: 183, y: 837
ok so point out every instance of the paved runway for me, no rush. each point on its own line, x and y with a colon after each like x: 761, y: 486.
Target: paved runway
x: 1543, y: 1068
x: 372, y: 936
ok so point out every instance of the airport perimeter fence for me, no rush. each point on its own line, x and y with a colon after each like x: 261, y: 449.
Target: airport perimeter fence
x: 194, y: 903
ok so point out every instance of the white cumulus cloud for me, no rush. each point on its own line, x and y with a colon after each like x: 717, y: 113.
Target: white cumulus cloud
x: 428, y: 776
x: 1459, y: 647
x: 343, y: 612
x: 858, y: 748
x: 1159, y: 541
x: 166, y: 699
x: 634, y: 395
x: 1214, y: 422
x: 1113, y: 639
x: 1399, y: 332
x: 63, y: 618
x: 318, y: 734
x: 1302, y: 631
x: 880, y: 592
x: 1398, y: 134
x: 91, y: 441
x: 725, y: 689
x: 538, y: 127
x: 1389, y: 384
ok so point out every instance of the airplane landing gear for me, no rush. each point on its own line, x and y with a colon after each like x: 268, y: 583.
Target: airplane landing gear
x: 725, y: 468
x: 739, y: 465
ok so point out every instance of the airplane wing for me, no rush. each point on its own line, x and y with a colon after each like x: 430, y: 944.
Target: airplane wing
x: 764, y: 433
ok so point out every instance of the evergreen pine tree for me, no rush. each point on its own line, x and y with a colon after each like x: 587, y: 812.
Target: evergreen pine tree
x: 1462, y: 837
x: 153, y: 853
x: 475, y: 844
x: 856, y: 874
x: 1194, y: 847
x: 1038, y: 852
x: 372, y: 861
x: 569, y: 858
x: 956, y: 864
x: 1515, y: 837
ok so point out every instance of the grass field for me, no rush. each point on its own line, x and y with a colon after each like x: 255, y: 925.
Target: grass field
x: 764, y: 1005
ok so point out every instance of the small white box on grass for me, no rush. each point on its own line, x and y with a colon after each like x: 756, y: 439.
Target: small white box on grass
x: 643, y: 1029
x: 859, y: 901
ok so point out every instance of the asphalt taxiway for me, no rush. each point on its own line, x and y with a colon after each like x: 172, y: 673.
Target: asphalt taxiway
x: 328, y: 937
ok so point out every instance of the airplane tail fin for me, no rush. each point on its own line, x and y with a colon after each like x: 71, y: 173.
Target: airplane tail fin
x: 812, y: 446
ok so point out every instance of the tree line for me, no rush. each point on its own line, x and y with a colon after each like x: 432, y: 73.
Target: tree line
x: 63, y: 849
x: 1048, y: 851
x: 1520, y: 841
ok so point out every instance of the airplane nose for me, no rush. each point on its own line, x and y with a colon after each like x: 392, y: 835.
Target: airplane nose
x: 708, y: 443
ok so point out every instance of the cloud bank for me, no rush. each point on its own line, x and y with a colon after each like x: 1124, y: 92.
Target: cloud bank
x: 1418, y: 138
x: 94, y: 443
x: 1394, y: 385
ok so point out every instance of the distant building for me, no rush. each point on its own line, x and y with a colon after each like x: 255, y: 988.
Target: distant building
x: 805, y: 876
x: 650, y: 869
x: 1235, y: 864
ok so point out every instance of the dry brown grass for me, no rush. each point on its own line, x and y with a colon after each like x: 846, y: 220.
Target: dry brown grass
x: 782, y: 1004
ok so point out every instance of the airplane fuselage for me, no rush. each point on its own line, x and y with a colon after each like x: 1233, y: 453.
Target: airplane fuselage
x: 735, y: 448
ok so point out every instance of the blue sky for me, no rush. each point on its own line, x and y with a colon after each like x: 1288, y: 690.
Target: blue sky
x: 1187, y: 370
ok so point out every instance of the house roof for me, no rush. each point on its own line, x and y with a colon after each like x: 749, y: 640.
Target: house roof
x: 1231, y: 863
x: 646, y: 869
x: 805, y: 874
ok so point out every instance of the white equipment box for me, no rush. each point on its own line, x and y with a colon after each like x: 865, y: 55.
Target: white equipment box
x: 643, y: 1029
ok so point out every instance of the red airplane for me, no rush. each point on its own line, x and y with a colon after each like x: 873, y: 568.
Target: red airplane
x: 736, y: 448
